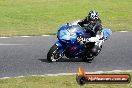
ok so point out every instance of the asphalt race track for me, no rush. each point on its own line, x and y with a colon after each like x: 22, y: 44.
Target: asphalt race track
x: 27, y: 56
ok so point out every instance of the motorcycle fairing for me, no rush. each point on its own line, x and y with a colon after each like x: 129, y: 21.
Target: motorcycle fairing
x: 69, y: 33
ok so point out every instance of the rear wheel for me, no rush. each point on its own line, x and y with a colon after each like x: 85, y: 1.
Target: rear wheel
x: 54, y: 54
x: 92, y: 54
x: 89, y: 57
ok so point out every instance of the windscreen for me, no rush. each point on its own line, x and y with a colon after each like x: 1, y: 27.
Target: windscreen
x: 76, y: 29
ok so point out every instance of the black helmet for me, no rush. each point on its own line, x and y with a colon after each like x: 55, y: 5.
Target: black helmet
x: 93, y: 15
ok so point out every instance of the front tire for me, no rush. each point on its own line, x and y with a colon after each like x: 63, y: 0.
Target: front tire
x: 54, y: 54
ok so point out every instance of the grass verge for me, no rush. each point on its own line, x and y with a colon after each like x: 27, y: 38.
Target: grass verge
x: 38, y: 17
x: 54, y: 82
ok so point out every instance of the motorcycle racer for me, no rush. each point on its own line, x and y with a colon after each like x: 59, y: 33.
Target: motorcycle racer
x: 93, y: 26
x: 91, y: 23
x: 80, y: 39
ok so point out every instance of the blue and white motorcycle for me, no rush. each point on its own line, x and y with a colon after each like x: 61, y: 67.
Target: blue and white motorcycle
x: 72, y: 44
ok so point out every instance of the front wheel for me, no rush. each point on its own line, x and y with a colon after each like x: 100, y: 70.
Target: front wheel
x: 54, y: 54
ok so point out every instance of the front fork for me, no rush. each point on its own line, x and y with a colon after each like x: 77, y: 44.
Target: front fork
x: 61, y: 48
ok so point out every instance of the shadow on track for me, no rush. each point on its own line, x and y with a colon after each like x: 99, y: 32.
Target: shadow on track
x: 65, y: 60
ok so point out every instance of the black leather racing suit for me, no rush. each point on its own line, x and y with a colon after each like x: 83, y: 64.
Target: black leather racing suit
x: 92, y: 28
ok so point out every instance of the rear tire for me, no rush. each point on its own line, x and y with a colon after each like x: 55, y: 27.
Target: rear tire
x: 96, y: 50
x: 53, y: 54
x: 88, y: 58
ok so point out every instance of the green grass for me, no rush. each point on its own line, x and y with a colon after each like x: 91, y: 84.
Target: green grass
x: 54, y: 82
x: 37, y: 17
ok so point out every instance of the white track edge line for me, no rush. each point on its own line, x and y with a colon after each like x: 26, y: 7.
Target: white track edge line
x: 24, y: 36
x: 4, y: 37
x: 45, y: 35
x: 64, y: 74
x: 123, y: 31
